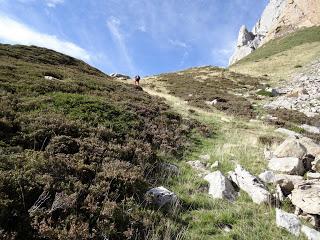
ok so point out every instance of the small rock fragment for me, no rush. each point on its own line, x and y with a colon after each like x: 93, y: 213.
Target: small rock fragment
x: 310, y: 233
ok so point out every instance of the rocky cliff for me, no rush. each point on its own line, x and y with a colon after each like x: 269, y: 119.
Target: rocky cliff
x: 279, y: 18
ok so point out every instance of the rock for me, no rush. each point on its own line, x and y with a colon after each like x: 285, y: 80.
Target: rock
x: 244, y: 36
x: 251, y: 185
x: 240, y: 53
x: 311, y: 175
x: 287, y: 132
x: 288, y: 221
x: 267, y: 177
x: 279, y: 196
x: 306, y: 195
x: 50, y: 78
x: 216, y: 164
x: 162, y: 196
x: 290, y: 148
x: 287, y: 182
x: 310, y: 233
x: 169, y: 169
x: 199, y: 167
x: 316, y: 165
x: 220, y: 187
x: 287, y: 165
x: 268, y: 154
x: 314, y: 220
x: 120, y: 76
x: 311, y: 147
x: 205, y: 157
x: 310, y: 129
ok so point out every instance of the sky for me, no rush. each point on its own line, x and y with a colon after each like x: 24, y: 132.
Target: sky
x: 144, y: 37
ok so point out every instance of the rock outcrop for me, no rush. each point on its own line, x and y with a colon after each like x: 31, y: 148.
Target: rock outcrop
x: 279, y: 18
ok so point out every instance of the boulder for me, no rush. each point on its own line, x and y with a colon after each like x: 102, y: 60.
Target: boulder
x: 310, y: 129
x: 220, y: 187
x: 311, y: 147
x: 162, y: 196
x: 287, y: 165
x: 268, y: 154
x: 251, y: 185
x: 267, y: 177
x: 306, y: 195
x: 310, y: 233
x: 311, y: 175
x: 287, y: 132
x: 291, y: 147
x: 287, y: 182
x: 288, y: 221
x: 316, y: 165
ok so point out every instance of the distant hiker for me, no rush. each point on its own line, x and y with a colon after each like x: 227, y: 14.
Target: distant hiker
x: 137, y: 80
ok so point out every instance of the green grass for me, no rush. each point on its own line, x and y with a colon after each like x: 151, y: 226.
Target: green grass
x: 234, y: 141
x: 94, y: 140
x: 273, y: 47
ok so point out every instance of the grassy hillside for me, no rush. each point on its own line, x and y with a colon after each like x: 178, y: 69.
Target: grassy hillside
x: 281, y: 57
x: 78, y: 152
x: 234, y: 93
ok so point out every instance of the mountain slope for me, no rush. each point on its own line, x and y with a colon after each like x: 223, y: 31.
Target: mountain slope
x: 79, y: 150
x: 280, y: 58
x: 280, y: 18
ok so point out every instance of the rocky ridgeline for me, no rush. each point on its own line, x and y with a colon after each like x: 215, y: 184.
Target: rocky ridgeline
x: 279, y: 18
x: 302, y: 93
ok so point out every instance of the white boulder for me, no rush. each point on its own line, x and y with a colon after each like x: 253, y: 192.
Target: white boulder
x: 267, y: 177
x: 291, y: 147
x: 288, y: 221
x: 310, y: 233
x: 287, y: 165
x: 306, y: 195
x: 251, y: 185
x: 220, y: 187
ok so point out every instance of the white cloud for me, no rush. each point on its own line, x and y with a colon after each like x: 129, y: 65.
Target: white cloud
x: 53, y: 3
x: 114, y: 27
x: 178, y: 43
x: 14, y: 32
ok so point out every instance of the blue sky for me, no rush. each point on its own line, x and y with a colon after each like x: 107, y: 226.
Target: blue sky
x: 131, y: 36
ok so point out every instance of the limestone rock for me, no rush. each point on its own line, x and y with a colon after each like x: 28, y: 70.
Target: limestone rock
x: 267, y: 177
x: 120, y: 76
x: 306, y: 196
x: 311, y: 175
x: 310, y: 233
x: 311, y: 147
x: 287, y: 165
x: 290, y: 148
x: 316, y: 164
x: 162, y: 196
x: 287, y: 132
x: 279, y: 18
x: 220, y: 187
x: 199, y: 167
x: 287, y: 182
x: 251, y: 185
x: 288, y: 221
x: 310, y: 129
x: 244, y: 36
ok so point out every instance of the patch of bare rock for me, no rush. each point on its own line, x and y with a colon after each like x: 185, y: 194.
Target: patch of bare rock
x: 302, y: 93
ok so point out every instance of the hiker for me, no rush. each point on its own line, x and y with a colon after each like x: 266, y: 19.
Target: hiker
x: 137, y: 80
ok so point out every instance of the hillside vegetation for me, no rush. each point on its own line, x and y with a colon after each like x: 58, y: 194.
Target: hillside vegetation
x: 281, y: 57
x: 78, y: 151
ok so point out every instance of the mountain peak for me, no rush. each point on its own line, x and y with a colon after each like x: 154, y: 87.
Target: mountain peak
x: 279, y: 18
